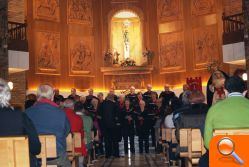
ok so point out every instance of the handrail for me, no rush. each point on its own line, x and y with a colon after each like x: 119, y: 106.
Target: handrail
x: 17, y: 31
x: 233, y: 23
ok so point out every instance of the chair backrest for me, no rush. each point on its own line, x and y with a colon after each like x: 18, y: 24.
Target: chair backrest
x: 48, y: 148
x: 191, y: 143
x: 231, y: 132
x: 14, y: 152
x: 73, y: 141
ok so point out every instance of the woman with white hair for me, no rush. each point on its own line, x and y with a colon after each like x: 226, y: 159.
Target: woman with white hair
x: 15, y: 123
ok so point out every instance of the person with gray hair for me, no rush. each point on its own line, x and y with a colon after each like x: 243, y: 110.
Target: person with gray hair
x: 15, y: 123
x: 48, y: 118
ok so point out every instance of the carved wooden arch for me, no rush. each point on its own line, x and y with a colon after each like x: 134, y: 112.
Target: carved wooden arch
x: 132, y: 9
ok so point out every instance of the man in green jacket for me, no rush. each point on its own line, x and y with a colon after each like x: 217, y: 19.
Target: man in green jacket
x: 231, y: 113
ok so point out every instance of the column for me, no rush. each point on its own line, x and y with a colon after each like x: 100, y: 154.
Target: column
x: 3, y: 39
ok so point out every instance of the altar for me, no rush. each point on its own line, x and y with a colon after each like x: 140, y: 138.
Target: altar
x: 121, y: 78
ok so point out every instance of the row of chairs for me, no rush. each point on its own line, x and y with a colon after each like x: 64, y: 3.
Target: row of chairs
x: 191, y: 144
x: 14, y: 151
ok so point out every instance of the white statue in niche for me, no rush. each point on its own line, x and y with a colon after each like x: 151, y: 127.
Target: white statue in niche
x: 126, y: 37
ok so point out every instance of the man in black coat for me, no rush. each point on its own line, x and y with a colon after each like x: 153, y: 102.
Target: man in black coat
x: 110, y: 120
x: 166, y: 96
x: 132, y: 96
x: 147, y: 96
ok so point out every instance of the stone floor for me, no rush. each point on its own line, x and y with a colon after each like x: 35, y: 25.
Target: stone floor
x: 137, y: 160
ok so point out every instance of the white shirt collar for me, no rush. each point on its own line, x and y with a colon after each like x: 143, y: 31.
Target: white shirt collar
x: 235, y: 94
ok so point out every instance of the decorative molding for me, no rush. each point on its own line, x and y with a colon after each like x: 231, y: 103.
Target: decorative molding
x: 231, y: 7
x: 80, y: 11
x: 46, y: 10
x: 202, y: 7
x: 47, y: 53
x: 137, y: 70
x: 172, y: 52
x: 169, y: 10
x: 124, y: 1
x: 205, y: 45
x: 81, y: 55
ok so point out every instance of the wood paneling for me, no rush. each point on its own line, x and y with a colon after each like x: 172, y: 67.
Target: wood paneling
x: 172, y: 52
x: 16, y: 10
x: 167, y: 25
x: 47, y: 10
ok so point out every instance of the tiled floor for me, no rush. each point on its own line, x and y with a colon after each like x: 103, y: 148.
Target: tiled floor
x: 137, y: 160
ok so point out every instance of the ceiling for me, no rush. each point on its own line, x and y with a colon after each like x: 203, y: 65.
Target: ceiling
x: 16, y: 10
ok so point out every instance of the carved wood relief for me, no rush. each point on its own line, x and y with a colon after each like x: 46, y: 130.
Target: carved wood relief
x: 232, y: 7
x: 123, y: 82
x: 202, y: 7
x: 80, y: 11
x: 81, y: 55
x: 48, y: 53
x: 205, y: 45
x: 169, y: 10
x: 46, y: 9
x: 172, y: 51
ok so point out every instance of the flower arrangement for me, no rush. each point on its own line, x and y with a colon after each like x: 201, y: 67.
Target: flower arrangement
x: 213, y: 66
x: 128, y: 62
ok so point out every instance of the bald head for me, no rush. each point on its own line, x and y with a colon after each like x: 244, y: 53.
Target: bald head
x: 149, y: 87
x: 90, y: 92
x: 132, y: 89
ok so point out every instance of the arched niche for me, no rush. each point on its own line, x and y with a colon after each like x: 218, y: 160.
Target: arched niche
x: 127, y: 40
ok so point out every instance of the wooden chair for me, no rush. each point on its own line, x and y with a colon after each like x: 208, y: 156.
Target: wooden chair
x: 191, y: 146
x: 73, y: 141
x: 231, y: 132
x: 14, y: 152
x: 48, y: 149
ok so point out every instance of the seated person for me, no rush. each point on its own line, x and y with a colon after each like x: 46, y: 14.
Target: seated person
x: 48, y: 118
x: 13, y: 123
x: 192, y: 115
x: 231, y: 113
x: 76, y: 123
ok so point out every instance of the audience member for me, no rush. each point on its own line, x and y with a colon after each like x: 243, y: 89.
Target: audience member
x: 75, y: 121
x: 30, y: 100
x: 14, y: 123
x: 48, y: 118
x: 230, y: 113
x: 185, y: 88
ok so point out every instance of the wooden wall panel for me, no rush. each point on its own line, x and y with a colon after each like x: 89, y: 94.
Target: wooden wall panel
x: 231, y: 7
x: 202, y: 7
x: 80, y: 11
x: 47, y: 10
x: 172, y: 52
x: 169, y: 10
x: 81, y: 55
x: 47, y: 53
x: 205, y: 46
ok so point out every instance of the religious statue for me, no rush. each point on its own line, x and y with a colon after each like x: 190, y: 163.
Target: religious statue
x: 116, y: 57
x: 149, y: 54
x: 108, y: 59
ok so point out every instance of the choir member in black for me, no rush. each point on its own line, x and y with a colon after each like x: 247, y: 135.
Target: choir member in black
x: 147, y: 95
x: 142, y: 127
x: 166, y: 96
x: 90, y: 96
x: 108, y: 113
x: 128, y: 127
x: 73, y: 95
x: 132, y: 96
x: 112, y: 91
x: 153, y: 113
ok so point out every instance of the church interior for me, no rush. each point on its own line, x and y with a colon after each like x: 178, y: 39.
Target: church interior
x: 133, y: 73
